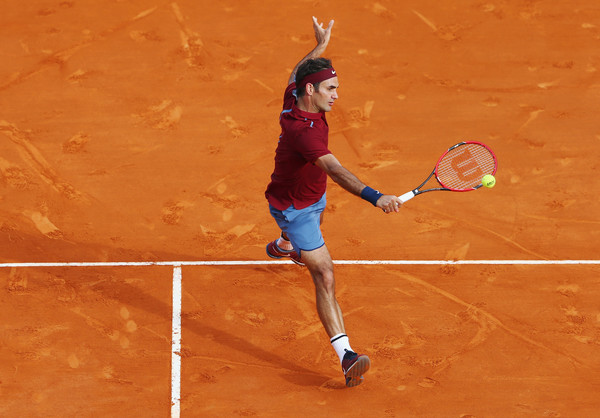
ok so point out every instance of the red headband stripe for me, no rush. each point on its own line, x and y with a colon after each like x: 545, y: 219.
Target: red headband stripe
x: 317, y: 77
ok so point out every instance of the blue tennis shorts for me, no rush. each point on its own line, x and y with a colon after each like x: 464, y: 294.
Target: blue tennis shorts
x: 302, y: 226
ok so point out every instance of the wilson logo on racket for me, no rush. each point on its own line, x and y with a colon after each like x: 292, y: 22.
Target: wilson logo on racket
x: 466, y: 167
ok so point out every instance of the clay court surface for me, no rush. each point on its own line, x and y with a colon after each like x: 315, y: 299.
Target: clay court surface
x: 141, y: 131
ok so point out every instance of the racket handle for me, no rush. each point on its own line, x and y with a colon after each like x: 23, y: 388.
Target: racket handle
x: 406, y: 196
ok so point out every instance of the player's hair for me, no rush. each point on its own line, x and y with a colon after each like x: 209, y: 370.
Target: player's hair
x: 310, y: 66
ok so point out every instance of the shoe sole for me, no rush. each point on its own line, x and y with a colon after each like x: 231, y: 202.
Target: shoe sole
x: 273, y: 256
x: 354, y: 376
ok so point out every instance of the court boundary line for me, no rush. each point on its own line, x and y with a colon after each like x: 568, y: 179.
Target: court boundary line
x: 178, y: 278
x: 260, y: 263
x: 176, y: 344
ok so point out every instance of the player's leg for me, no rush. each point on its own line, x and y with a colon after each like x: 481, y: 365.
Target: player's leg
x: 320, y: 266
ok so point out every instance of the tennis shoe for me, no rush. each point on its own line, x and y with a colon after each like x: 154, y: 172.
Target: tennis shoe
x: 274, y: 251
x: 354, y: 366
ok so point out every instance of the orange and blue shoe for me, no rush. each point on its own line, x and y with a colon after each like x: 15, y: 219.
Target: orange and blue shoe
x: 354, y: 366
x: 274, y: 251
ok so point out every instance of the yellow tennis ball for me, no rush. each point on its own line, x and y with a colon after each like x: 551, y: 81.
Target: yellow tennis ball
x: 488, y: 181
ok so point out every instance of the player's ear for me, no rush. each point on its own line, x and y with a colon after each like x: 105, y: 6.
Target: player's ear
x: 310, y: 89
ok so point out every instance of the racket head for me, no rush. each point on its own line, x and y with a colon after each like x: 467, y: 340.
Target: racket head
x: 462, y: 166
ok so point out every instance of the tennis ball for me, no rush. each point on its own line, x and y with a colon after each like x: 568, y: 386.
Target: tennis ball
x: 488, y: 181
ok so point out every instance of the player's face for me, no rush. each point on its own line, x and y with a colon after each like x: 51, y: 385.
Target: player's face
x: 324, y: 98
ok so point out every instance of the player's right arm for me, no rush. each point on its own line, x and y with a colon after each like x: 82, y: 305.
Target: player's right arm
x: 322, y: 35
x: 342, y: 176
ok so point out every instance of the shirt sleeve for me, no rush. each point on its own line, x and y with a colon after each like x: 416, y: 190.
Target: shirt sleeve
x: 288, y: 97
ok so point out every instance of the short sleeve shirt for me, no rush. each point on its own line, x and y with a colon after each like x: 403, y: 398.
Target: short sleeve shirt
x: 296, y: 180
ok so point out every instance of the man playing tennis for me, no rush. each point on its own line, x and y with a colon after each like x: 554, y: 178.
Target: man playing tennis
x: 296, y: 193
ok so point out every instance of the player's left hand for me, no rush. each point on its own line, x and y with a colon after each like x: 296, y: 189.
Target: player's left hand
x: 389, y: 203
x: 322, y: 34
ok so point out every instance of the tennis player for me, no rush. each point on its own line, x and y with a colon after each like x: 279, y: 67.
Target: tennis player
x: 296, y: 193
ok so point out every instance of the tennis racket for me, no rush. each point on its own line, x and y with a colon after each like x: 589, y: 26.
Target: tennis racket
x: 459, y: 169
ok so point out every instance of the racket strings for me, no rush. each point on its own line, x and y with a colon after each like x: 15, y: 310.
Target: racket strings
x: 462, y: 168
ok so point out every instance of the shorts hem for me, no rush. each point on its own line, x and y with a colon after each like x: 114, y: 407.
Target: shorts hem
x: 316, y: 248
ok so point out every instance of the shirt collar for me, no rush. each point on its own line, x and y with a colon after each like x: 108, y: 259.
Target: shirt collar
x: 302, y: 114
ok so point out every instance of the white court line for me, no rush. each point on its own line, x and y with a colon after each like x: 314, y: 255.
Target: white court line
x: 467, y: 262
x: 176, y: 345
x: 260, y: 263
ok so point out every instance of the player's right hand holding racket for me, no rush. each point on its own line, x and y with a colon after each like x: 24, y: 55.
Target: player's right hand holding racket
x: 459, y: 169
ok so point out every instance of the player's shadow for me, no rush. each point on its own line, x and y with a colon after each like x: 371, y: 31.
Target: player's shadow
x: 294, y: 373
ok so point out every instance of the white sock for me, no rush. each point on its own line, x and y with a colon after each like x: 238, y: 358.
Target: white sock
x: 284, y: 244
x: 341, y: 344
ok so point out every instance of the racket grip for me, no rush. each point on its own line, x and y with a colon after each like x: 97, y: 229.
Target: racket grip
x: 406, y: 196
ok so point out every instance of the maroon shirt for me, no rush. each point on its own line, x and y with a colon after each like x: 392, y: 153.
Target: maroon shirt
x: 304, y: 138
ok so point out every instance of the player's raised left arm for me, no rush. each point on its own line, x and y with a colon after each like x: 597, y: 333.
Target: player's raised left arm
x: 342, y: 176
x: 322, y: 36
